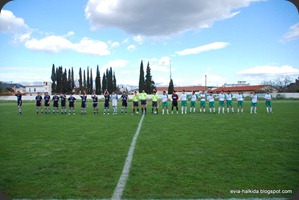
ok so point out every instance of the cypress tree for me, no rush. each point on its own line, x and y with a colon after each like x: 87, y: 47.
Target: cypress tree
x: 104, y: 83
x: 98, y: 81
x: 72, y: 80
x: 107, y: 80
x: 80, y: 79
x: 91, y: 82
x: 58, y: 79
x: 149, y: 83
x: 110, y: 81
x: 170, y: 87
x: 69, y: 80
x: 87, y: 81
x: 53, y: 78
x: 84, y: 80
x: 114, y: 82
x: 141, y: 77
x: 64, y: 82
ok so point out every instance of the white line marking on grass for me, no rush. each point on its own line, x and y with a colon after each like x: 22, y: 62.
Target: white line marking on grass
x: 118, y: 191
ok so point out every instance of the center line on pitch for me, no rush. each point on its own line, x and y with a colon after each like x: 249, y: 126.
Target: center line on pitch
x: 118, y: 191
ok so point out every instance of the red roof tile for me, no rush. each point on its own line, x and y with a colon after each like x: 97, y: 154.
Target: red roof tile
x: 239, y: 88
x: 186, y: 88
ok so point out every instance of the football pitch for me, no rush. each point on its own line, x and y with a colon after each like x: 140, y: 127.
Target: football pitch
x: 190, y: 156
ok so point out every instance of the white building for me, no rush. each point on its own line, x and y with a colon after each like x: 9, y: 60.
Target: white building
x: 32, y: 90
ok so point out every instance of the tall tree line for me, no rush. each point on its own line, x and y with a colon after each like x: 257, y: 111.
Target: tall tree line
x: 86, y: 81
x: 146, y: 82
x: 109, y: 81
x: 63, y: 80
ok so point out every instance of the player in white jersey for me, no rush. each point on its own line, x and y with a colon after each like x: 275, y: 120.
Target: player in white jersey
x: 240, y: 99
x: 211, y: 100
x: 193, y: 98
x: 268, y: 102
x: 253, y: 102
x: 183, y: 99
x: 221, y: 97
x: 202, y: 105
x: 114, y: 98
x: 229, y: 102
x: 164, y: 102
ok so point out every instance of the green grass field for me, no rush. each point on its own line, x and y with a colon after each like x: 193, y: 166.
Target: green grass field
x: 176, y: 156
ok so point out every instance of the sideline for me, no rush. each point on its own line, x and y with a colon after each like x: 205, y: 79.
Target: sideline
x: 118, y: 191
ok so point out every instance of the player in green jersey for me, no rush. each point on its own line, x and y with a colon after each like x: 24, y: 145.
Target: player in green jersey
x: 164, y: 102
x: 240, y: 99
x: 155, y: 104
x: 202, y: 105
x: 221, y: 98
x: 193, y: 98
x: 253, y: 102
x: 135, y: 103
x: 183, y: 99
x: 268, y: 102
x: 211, y: 100
x: 229, y: 102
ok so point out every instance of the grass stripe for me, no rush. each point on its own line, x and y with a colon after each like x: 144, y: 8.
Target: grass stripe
x: 126, y: 170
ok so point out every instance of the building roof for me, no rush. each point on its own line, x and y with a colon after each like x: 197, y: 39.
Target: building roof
x: 240, y: 88
x: 12, y: 85
x: 186, y: 88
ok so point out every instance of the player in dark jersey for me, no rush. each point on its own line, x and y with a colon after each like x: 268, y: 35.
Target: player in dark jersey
x: 62, y: 101
x: 47, y: 100
x: 55, y: 99
x: 174, y: 99
x: 83, y: 103
x: 19, y: 101
x: 124, y: 103
x: 107, y: 102
x: 72, y: 102
x: 38, y: 103
x: 95, y: 103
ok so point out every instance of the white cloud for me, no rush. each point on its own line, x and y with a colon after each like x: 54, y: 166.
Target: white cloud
x: 160, y: 65
x: 56, y: 44
x: 131, y: 47
x: 69, y: 34
x: 269, y: 71
x: 115, y: 44
x: 200, y: 49
x: 24, y: 37
x: 115, y: 64
x: 93, y: 47
x: 138, y: 39
x: 52, y: 44
x: 292, y: 34
x: 160, y: 18
x: 11, y: 24
x: 126, y: 41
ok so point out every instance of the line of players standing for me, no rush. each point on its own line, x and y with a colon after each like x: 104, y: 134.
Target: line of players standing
x: 46, y: 100
x: 203, y: 97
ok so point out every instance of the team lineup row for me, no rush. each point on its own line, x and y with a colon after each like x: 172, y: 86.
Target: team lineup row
x: 203, y: 98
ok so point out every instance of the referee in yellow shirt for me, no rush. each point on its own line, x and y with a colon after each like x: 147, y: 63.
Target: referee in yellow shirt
x: 143, y: 98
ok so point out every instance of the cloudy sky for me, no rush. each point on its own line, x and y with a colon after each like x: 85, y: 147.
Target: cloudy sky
x: 227, y: 40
